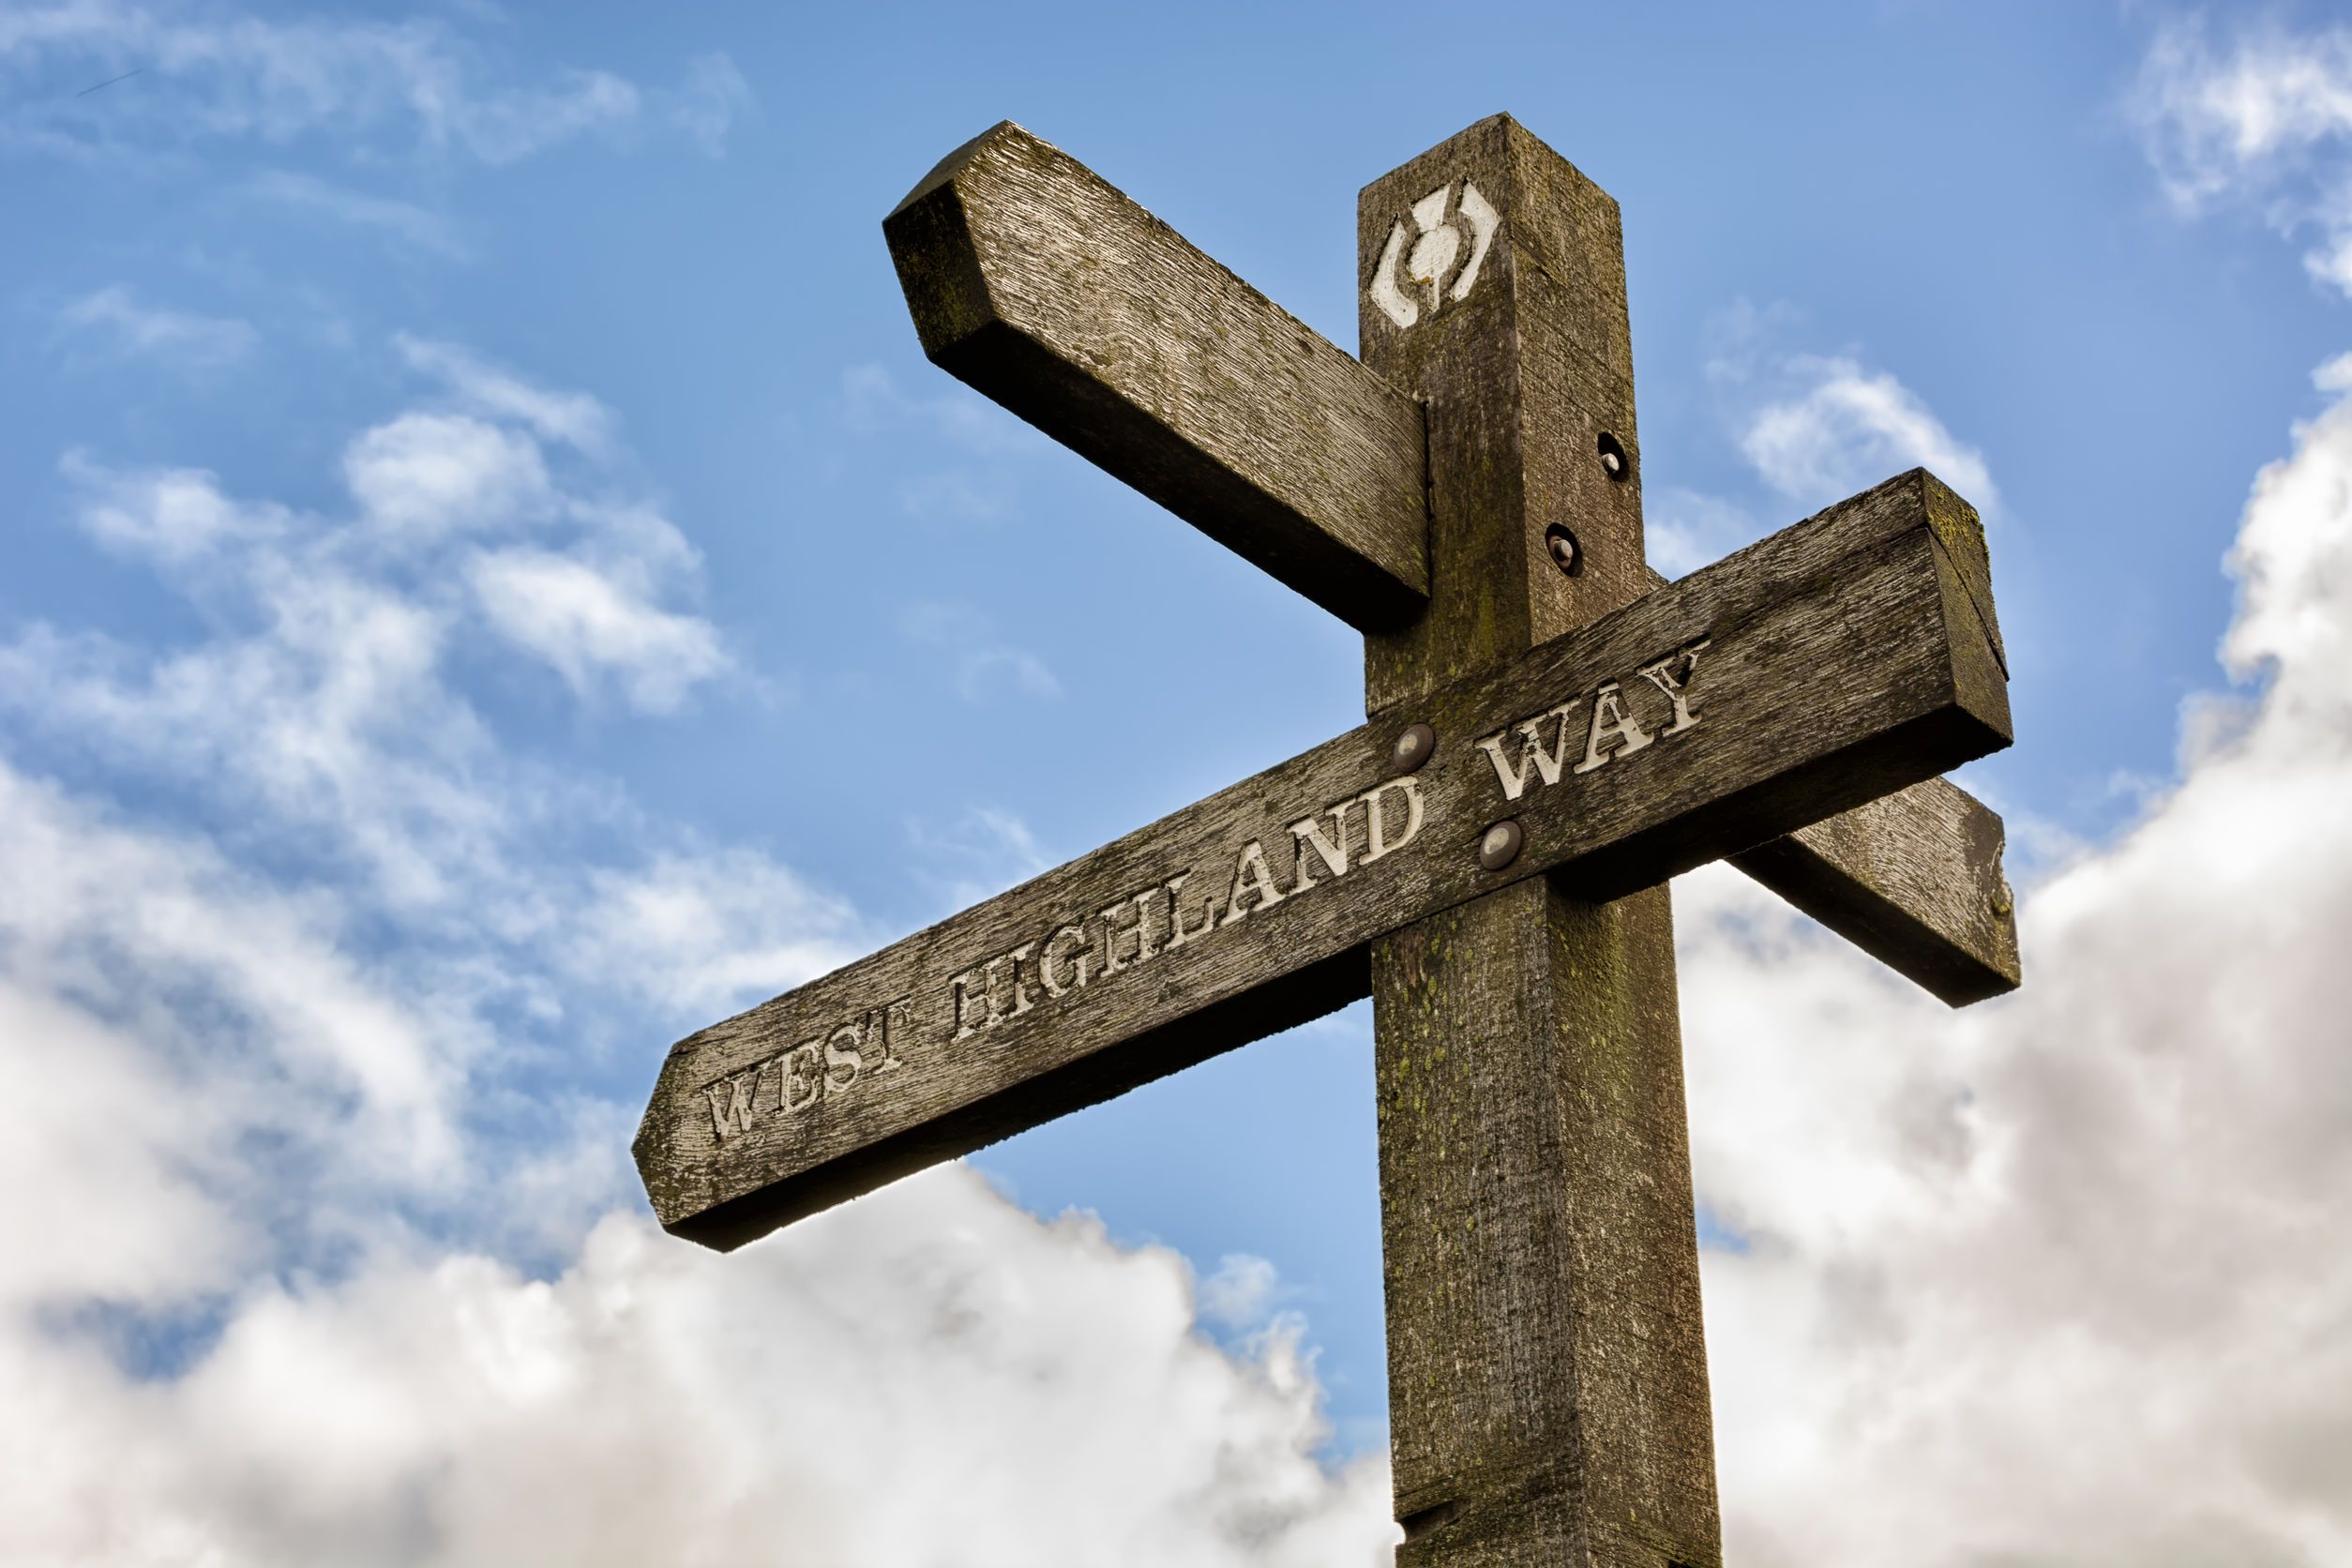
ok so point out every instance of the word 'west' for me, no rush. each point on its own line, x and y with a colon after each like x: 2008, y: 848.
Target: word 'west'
x: 829, y: 1066
x: 1142, y: 926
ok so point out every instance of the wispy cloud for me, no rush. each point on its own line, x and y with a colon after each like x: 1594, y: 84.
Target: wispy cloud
x: 981, y: 488
x: 574, y: 418
x: 2262, y: 119
x: 418, y: 226
x: 116, y: 322
x: 590, y: 622
x: 410, y: 86
x: 983, y: 667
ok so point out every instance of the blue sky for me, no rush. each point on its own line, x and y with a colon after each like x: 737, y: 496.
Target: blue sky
x: 494, y: 585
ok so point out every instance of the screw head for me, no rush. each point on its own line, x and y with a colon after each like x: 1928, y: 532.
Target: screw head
x: 1499, y: 846
x: 1615, y: 461
x: 1413, y: 746
x: 1566, y: 556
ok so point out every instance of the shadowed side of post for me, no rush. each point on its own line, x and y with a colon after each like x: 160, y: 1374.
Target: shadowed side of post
x: 1548, y: 1379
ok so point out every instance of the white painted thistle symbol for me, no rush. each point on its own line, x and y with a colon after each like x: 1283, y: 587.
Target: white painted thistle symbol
x: 1429, y: 267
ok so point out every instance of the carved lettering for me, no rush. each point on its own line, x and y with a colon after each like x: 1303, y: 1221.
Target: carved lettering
x: 839, y: 1057
x: 732, y: 1100
x: 1381, y: 844
x: 970, y: 1019
x: 1077, y: 957
x: 1677, y: 691
x: 1142, y: 930
x: 1611, y: 723
x: 882, y: 1028
x: 800, y: 1067
x: 1251, y: 874
x: 1545, y: 764
x: 1309, y: 835
x: 1021, y: 1003
x: 1178, y: 932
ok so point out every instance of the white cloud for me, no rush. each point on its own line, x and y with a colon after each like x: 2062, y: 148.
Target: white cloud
x: 2265, y: 119
x: 981, y: 853
x: 574, y: 418
x: 418, y: 226
x: 207, y: 74
x: 435, y: 472
x: 282, y: 1130
x: 2058, y: 1279
x: 2061, y: 1278
x: 1835, y: 427
x: 121, y: 326
x: 589, y: 624
x: 1686, y: 530
x: 930, y: 1376
x: 709, y: 101
x: 175, y: 515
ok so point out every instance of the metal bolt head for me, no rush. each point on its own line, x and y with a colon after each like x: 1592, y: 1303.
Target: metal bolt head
x: 1499, y: 846
x: 1615, y: 461
x: 1412, y: 748
x: 1562, y: 544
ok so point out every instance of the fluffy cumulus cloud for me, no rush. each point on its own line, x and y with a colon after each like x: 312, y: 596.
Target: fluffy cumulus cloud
x: 2262, y: 118
x: 2064, y: 1280
x: 329, y: 1250
x: 931, y: 1376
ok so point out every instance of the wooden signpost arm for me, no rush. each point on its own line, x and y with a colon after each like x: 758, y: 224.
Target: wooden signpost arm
x: 1547, y: 1375
x: 1805, y: 674
x: 1554, y: 732
x: 1040, y: 284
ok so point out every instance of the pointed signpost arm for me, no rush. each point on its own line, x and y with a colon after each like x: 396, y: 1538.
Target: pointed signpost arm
x: 1812, y: 670
x: 1042, y: 286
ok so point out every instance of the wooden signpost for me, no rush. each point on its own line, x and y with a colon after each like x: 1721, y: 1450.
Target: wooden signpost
x: 1554, y: 732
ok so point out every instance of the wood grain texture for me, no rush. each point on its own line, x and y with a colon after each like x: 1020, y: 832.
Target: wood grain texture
x: 1915, y: 880
x: 1037, y: 282
x: 1829, y: 676
x: 1548, y: 1375
x: 1040, y: 284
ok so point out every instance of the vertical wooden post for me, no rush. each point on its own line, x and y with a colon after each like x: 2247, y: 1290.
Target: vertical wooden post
x: 1547, y: 1378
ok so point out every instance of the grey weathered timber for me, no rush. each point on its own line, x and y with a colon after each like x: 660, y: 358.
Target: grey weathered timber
x: 1835, y: 661
x: 1040, y: 284
x: 1548, y: 1375
x: 1036, y: 281
x: 1914, y: 880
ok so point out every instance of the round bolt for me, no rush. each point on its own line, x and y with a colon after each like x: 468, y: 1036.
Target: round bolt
x: 1562, y: 544
x: 1499, y: 846
x: 1613, y: 461
x: 1412, y: 748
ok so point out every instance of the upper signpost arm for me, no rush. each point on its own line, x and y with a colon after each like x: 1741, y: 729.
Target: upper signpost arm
x: 1041, y: 285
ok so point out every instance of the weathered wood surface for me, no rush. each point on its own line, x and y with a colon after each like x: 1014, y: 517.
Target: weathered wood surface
x: 1547, y: 1374
x: 1036, y: 281
x: 1914, y: 880
x: 1830, y: 664
x: 1040, y: 284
